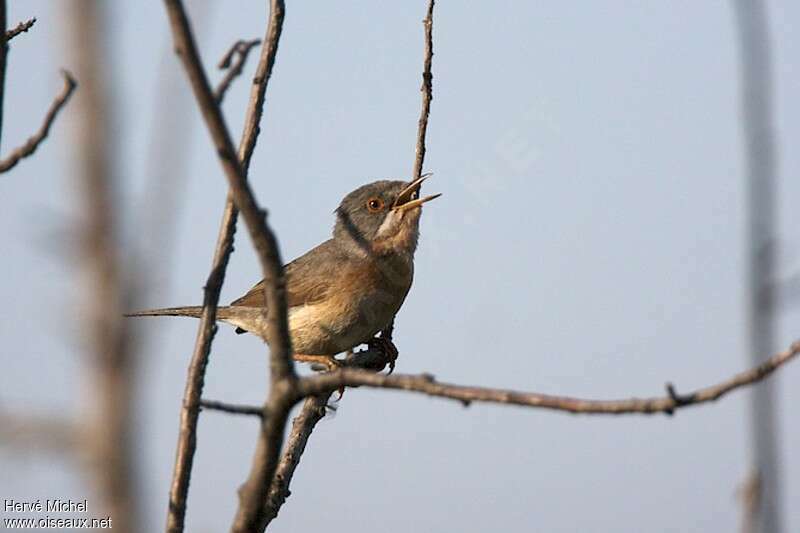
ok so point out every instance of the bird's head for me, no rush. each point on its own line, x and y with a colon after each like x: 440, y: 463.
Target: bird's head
x: 382, y: 217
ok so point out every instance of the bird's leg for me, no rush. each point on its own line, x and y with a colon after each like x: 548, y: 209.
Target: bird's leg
x: 385, y: 345
x: 328, y: 361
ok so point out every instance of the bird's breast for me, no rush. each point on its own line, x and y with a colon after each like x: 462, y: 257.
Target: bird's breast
x: 363, y: 302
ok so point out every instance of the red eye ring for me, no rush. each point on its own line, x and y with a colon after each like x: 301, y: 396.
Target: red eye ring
x: 374, y: 205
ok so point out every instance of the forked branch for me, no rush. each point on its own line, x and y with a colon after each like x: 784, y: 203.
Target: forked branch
x: 36, y: 139
x: 281, y: 365
x: 233, y: 62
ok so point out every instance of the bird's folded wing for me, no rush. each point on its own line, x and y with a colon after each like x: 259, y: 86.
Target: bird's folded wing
x: 308, y: 280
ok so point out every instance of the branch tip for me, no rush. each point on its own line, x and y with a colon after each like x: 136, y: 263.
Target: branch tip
x: 36, y: 139
x: 20, y: 28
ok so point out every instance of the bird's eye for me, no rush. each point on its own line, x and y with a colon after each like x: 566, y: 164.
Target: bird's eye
x: 374, y: 205
x: 414, y: 195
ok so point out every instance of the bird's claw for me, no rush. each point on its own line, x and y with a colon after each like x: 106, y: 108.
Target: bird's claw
x: 387, y: 348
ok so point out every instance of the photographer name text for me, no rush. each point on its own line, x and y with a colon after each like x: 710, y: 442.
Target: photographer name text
x: 49, y: 506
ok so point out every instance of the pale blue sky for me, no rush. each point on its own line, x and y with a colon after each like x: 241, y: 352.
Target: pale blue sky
x: 589, y: 243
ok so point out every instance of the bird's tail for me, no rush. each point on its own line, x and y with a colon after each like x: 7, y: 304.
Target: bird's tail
x: 244, y: 318
x: 193, y: 311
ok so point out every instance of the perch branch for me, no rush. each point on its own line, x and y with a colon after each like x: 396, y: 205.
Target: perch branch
x: 427, y: 385
x: 20, y: 28
x: 233, y: 61
x: 235, y: 168
x: 33, y: 142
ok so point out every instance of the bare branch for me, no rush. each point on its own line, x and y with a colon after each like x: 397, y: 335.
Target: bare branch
x: 427, y: 92
x: 352, y: 376
x: 20, y: 28
x: 3, y: 59
x: 33, y: 142
x: 277, y: 332
x: 233, y: 409
x: 313, y: 411
x: 314, y: 407
x: 233, y: 60
x: 427, y: 385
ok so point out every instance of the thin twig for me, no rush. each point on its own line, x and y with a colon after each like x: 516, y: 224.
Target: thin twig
x: 313, y: 411
x: 233, y: 61
x: 427, y: 93
x: 3, y: 59
x: 33, y: 142
x: 231, y: 408
x: 427, y: 385
x: 20, y: 28
x: 277, y: 331
x: 422, y: 129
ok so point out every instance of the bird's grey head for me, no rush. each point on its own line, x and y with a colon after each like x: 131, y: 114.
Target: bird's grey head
x: 381, y: 217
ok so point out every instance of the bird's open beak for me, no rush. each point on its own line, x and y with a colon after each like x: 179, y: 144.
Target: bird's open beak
x: 404, y: 202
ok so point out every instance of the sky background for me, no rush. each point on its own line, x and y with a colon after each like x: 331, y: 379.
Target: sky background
x: 589, y: 242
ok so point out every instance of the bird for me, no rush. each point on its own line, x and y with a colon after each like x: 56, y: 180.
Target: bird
x: 343, y: 292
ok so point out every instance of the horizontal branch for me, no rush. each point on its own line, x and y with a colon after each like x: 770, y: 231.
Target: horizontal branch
x: 426, y: 384
x: 232, y: 408
x: 34, y: 141
x: 20, y: 28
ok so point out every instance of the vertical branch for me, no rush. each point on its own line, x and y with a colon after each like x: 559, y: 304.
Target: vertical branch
x: 111, y: 443
x: 756, y: 80
x: 313, y: 411
x: 427, y: 93
x: 422, y: 128
x: 277, y: 331
x: 3, y: 57
x: 314, y: 407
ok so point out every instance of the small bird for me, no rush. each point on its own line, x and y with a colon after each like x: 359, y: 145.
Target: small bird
x: 341, y: 293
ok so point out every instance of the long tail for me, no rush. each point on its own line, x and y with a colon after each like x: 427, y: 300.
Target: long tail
x: 244, y: 318
x: 193, y: 311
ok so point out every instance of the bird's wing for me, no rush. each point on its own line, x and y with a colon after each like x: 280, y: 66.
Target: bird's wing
x: 308, y: 279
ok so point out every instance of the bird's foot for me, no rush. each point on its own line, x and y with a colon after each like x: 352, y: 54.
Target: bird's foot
x: 385, y: 346
x: 319, y: 362
x: 322, y: 363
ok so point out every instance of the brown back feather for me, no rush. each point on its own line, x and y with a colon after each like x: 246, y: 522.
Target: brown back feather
x: 308, y: 279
